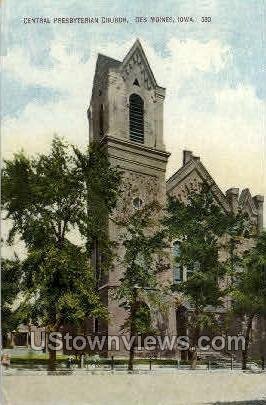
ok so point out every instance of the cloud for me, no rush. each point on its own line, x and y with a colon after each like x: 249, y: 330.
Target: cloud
x: 67, y: 74
x: 203, y: 112
x: 229, y: 138
x: 188, y: 57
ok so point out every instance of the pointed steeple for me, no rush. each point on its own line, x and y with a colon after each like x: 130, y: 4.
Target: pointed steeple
x: 136, y: 56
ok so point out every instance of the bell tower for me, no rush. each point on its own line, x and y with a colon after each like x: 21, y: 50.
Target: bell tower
x: 126, y: 101
x: 126, y: 116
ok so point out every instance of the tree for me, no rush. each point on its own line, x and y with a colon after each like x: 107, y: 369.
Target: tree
x: 10, y: 288
x: 42, y: 196
x: 249, y: 290
x: 47, y: 198
x: 101, y: 189
x: 60, y: 289
x: 198, y: 225
x: 144, y: 246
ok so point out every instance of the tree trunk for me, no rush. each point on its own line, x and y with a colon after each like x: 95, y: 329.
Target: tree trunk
x: 51, y: 351
x: 132, y: 330
x: 131, y: 356
x: 52, y: 360
x: 196, y: 335
x: 194, y: 359
x: 247, y: 341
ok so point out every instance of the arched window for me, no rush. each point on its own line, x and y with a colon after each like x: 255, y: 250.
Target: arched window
x: 136, y: 118
x: 101, y: 121
x: 177, y: 270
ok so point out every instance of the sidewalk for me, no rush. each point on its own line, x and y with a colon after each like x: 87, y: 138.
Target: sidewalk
x: 178, y: 388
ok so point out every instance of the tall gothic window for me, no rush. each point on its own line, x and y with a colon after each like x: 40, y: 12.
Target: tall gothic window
x: 193, y: 268
x: 136, y: 118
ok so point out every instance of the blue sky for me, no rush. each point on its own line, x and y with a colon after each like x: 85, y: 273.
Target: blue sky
x: 241, y: 24
x: 214, y: 74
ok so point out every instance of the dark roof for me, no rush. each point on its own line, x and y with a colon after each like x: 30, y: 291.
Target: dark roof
x: 107, y: 61
x: 103, y: 64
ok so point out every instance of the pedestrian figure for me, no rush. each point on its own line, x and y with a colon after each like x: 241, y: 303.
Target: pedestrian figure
x: 5, y: 360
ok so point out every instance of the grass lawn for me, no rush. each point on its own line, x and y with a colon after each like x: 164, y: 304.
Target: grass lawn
x: 42, y: 358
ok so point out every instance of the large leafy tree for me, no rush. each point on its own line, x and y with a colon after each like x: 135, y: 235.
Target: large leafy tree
x: 42, y: 196
x: 59, y: 289
x: 144, y: 256
x: 48, y: 201
x: 249, y: 290
x: 199, y: 225
x: 10, y: 288
x: 101, y: 189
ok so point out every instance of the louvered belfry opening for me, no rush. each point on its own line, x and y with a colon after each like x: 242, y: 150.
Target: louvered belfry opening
x: 136, y: 118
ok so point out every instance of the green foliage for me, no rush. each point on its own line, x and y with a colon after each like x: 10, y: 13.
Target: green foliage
x: 201, y: 226
x: 144, y: 244
x: 238, y: 232
x: 47, y: 198
x: 42, y: 195
x: 10, y: 282
x: 140, y: 249
x: 249, y: 287
x: 248, y: 290
x: 198, y: 224
x: 60, y: 286
x: 101, y: 184
x: 100, y: 191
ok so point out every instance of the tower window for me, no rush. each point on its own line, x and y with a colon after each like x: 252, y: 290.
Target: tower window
x: 136, y: 82
x: 101, y: 120
x: 136, y: 118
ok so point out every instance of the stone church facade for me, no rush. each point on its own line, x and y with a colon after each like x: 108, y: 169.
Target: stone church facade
x: 126, y: 116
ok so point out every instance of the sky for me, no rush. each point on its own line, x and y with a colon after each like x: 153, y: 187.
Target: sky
x: 214, y: 74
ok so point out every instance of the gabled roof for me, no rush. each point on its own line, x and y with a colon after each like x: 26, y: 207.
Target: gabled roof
x: 107, y: 61
x: 136, y: 51
x: 103, y: 64
x: 195, y: 165
x: 137, y: 55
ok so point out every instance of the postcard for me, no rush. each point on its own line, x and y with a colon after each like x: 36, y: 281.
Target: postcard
x: 133, y: 182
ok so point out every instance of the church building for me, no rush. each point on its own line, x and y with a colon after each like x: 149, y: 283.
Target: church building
x: 126, y: 116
